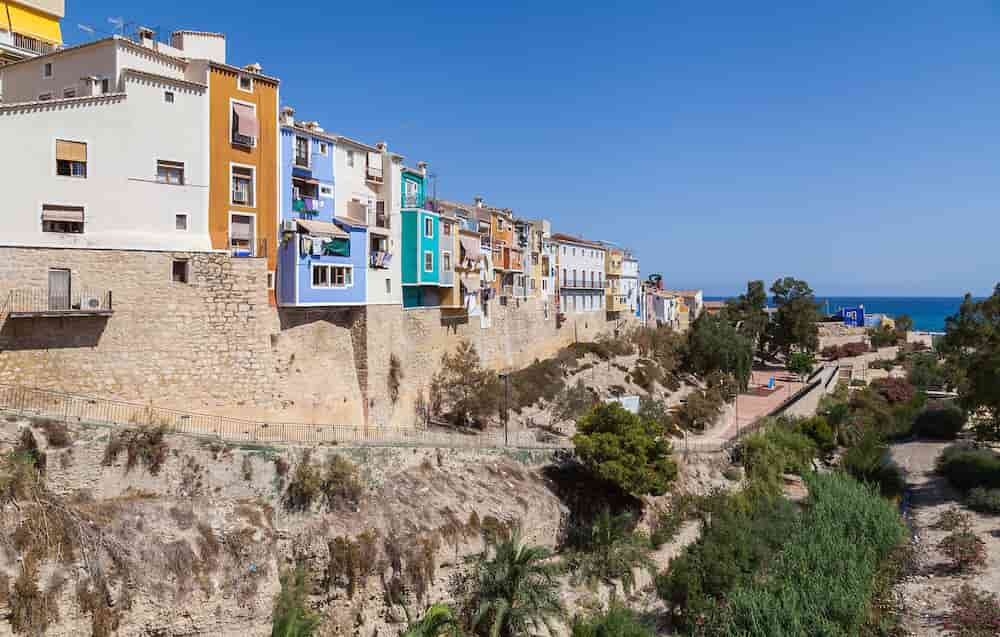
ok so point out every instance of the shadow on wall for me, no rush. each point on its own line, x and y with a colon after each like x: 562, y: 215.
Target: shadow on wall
x: 296, y: 317
x: 52, y: 333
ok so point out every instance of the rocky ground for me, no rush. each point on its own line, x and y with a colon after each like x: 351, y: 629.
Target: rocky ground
x: 925, y: 594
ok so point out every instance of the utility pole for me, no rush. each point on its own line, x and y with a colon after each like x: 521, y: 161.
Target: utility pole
x: 506, y: 406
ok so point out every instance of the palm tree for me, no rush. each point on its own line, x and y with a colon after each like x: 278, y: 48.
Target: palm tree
x: 515, y: 592
x: 438, y: 621
x: 611, y: 552
x: 292, y: 617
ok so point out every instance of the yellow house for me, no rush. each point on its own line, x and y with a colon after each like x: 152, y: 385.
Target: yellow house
x: 29, y: 28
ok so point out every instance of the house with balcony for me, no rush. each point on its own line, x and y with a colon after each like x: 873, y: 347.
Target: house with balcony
x: 473, y: 268
x: 29, y: 28
x: 580, y: 275
x: 614, y: 268
x: 425, y: 281
x: 322, y: 258
x: 630, y: 284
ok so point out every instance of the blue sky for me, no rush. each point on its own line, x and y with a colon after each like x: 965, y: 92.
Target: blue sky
x: 851, y: 145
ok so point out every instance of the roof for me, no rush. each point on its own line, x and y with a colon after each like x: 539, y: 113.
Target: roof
x: 685, y: 292
x: 206, y: 33
x: 308, y: 131
x: 714, y: 305
x: 322, y: 228
x: 236, y: 69
x: 354, y: 142
x: 65, y: 101
x: 101, y: 42
x: 163, y: 78
x: 565, y: 238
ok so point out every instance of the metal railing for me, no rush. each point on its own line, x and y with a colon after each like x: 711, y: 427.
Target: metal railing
x: 257, y: 249
x: 30, y: 402
x: 48, y: 302
x: 28, y: 43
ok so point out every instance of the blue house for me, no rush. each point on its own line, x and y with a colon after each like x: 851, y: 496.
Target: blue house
x: 322, y: 259
x: 423, y: 274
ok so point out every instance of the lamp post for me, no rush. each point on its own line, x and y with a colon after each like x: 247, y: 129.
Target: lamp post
x: 506, y: 404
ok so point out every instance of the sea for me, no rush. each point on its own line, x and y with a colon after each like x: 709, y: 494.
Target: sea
x: 928, y: 313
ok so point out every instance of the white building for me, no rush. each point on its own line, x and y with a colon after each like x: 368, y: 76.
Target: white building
x: 693, y: 299
x: 580, y: 274
x: 29, y: 28
x: 662, y: 308
x: 630, y: 283
x: 107, y: 144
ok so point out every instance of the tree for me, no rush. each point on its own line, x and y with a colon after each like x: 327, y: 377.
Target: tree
x: 714, y: 344
x: 468, y: 392
x: 794, y: 325
x: 749, y: 312
x: 971, y: 346
x: 291, y: 618
x: 923, y: 370
x: 611, y: 552
x: 620, y: 447
x: 514, y: 592
x: 904, y: 324
x: 438, y: 621
x: 882, y: 336
x: 801, y: 363
x: 617, y: 621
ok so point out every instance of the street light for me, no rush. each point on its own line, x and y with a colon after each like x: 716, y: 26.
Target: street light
x: 506, y: 404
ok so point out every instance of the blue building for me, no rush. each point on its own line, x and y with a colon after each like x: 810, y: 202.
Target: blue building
x: 427, y: 272
x: 322, y: 259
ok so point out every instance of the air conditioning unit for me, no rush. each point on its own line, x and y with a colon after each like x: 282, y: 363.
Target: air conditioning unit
x: 288, y: 225
x: 90, y: 303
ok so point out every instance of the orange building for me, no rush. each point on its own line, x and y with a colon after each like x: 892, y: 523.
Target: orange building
x: 243, y: 206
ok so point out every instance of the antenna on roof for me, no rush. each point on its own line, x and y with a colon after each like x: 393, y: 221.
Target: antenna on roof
x: 87, y: 28
x: 118, y: 23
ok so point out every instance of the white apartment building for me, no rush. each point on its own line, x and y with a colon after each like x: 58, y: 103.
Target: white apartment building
x: 580, y: 274
x: 93, y: 156
x: 629, y: 283
x: 29, y: 28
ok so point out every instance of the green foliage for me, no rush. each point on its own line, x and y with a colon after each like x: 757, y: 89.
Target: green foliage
x: 19, y: 478
x: 654, y: 412
x: 572, y: 402
x: 611, y: 552
x: 714, y: 344
x: 468, y: 393
x: 749, y: 312
x: 822, y: 579
x: 512, y: 590
x: 973, y: 613
x: 882, y: 336
x: 801, y: 363
x: 338, y: 483
x: 668, y: 521
x: 971, y: 347
x: 923, y: 370
x: 291, y: 618
x: 775, y: 451
x: 621, y: 448
x: 700, y: 410
x: 984, y: 500
x: 904, y: 324
x: 868, y: 461
x: 942, y: 422
x: 646, y: 374
x: 438, y: 621
x: 662, y: 346
x: 542, y: 380
x: 794, y: 325
x: 819, y: 431
x: 967, y: 468
x: 617, y: 621
x: 144, y: 445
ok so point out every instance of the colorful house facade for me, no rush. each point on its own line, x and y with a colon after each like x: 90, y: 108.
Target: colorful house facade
x: 423, y: 251
x: 321, y: 258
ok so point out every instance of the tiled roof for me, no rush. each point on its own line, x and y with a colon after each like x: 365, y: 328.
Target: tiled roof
x: 558, y: 236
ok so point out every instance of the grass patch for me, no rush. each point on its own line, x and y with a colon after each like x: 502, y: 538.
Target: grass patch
x: 146, y: 446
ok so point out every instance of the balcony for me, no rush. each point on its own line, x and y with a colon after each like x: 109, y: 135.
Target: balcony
x: 379, y: 218
x: 50, y: 303
x: 413, y: 201
x: 580, y: 284
x: 379, y: 259
x: 373, y: 174
x: 306, y: 205
x: 25, y: 43
x: 250, y: 249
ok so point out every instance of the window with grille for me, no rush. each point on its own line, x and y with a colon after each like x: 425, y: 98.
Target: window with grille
x: 301, y: 152
x: 170, y: 172
x: 242, y: 185
x: 332, y: 276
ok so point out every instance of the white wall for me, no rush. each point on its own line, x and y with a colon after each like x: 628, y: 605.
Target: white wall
x: 585, y: 260
x: 23, y: 82
x: 125, y: 208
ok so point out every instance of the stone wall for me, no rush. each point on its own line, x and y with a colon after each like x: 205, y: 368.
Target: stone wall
x: 216, y: 345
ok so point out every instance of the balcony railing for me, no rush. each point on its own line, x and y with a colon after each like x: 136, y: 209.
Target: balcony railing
x: 27, y: 43
x: 306, y: 205
x: 413, y: 201
x: 578, y: 284
x: 35, y: 302
x: 379, y: 219
x: 379, y: 259
x: 256, y: 249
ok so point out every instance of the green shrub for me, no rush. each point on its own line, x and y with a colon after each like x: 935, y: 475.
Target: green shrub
x: 773, y: 452
x: 145, y: 445
x: 621, y: 448
x: 56, y: 432
x: 818, y: 429
x: 942, y: 422
x: 984, y: 500
x: 973, y: 613
x: 868, y: 461
x: 700, y: 410
x: 337, y: 483
x: 610, y: 552
x: 617, y: 621
x: 822, y: 579
x: 291, y: 616
x: 967, y: 468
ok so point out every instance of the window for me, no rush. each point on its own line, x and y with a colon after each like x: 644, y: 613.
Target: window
x: 71, y: 158
x: 532, y: 284
x: 565, y: 281
x: 446, y: 228
x: 388, y: 286
x: 574, y: 252
x: 270, y: 279
x: 545, y: 285
x: 564, y: 250
x: 168, y: 97
x: 429, y: 227
x: 350, y: 158
x: 246, y: 83
x: 446, y: 261
x: 105, y: 85
x: 181, y: 221
x: 332, y: 276
x: 69, y: 92
x: 62, y: 219
x: 244, y: 124
x: 179, y: 270
x: 243, y: 185
x: 170, y: 172
x: 242, y: 229
x: 301, y: 152
x: 428, y: 261
x: 322, y: 148
x: 47, y: 69
x: 44, y: 97
x: 499, y: 224
x: 326, y: 191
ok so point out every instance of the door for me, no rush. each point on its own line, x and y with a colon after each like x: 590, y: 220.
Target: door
x: 59, y: 289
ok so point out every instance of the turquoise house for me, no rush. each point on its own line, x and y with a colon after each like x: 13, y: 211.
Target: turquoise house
x: 421, y: 242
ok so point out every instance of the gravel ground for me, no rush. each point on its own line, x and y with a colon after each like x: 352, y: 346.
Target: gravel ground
x: 925, y: 594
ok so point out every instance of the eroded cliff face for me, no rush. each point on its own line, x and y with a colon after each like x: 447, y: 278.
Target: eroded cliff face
x: 182, y: 536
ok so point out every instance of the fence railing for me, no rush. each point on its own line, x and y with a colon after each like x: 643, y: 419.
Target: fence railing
x: 78, y: 301
x: 30, y: 402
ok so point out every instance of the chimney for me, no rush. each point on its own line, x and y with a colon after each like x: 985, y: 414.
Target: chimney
x: 422, y: 167
x: 313, y: 126
x: 382, y: 146
x: 288, y: 116
x: 479, y: 201
x: 146, y: 37
x: 253, y: 68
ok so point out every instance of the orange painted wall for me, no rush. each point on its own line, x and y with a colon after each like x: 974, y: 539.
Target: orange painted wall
x: 263, y: 157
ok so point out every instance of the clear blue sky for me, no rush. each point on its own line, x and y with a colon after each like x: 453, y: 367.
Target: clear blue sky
x: 854, y: 145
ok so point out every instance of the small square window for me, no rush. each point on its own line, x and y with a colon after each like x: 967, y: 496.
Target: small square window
x: 179, y: 270
x: 322, y: 148
x: 181, y: 221
x: 69, y: 92
x: 105, y: 85
x: 388, y: 286
x: 170, y: 172
x: 428, y: 227
x: 168, y: 97
x: 446, y: 261
x: 350, y: 158
x: 246, y: 83
x: 270, y: 279
x: 428, y: 261
x: 44, y: 97
x: 47, y: 69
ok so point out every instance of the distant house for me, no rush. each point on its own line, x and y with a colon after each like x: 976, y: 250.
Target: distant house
x: 580, y: 274
x: 427, y: 256
x: 714, y: 307
x: 693, y: 299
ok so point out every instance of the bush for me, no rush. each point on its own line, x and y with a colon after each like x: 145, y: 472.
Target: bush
x: 966, y: 551
x: 542, y: 380
x: 773, y: 452
x: 984, y: 500
x: 645, y: 373
x: 967, y: 468
x: 339, y: 484
x: 611, y: 552
x: 619, y: 447
x: 951, y: 519
x: 818, y: 429
x: 617, y: 621
x: 146, y: 446
x: 572, y: 402
x: 19, y: 477
x: 868, y: 461
x: 56, y: 433
x: 974, y: 614
x: 895, y: 390
x: 468, y: 393
x: 291, y: 616
x: 923, y: 370
x: 669, y: 520
x: 700, y: 410
x: 942, y: 422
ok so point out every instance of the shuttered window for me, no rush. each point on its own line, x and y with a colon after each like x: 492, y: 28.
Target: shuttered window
x: 71, y: 158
